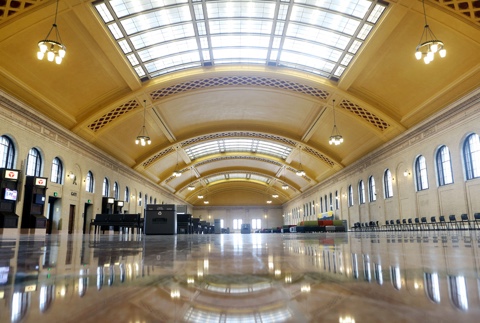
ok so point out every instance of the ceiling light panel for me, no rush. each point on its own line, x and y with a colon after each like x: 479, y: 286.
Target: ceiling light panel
x: 167, y: 36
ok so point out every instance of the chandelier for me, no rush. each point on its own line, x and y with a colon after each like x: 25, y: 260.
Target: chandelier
x: 143, y: 137
x: 191, y: 187
x: 336, y: 138
x: 54, y: 49
x: 300, y: 171
x: 176, y: 172
x: 429, y: 44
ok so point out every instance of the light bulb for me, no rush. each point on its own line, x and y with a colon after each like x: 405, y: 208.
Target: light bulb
x: 434, y: 47
x: 43, y: 47
x: 50, y: 56
x: 62, y: 53
x: 442, y: 52
x: 418, y: 55
x: 40, y: 55
x: 58, y: 60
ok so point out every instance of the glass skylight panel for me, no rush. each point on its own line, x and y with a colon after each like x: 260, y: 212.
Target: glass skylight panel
x: 259, y: 178
x: 215, y: 178
x: 104, y: 12
x: 133, y: 59
x: 164, y: 35
x: 376, y: 13
x: 140, y: 72
x: 115, y: 30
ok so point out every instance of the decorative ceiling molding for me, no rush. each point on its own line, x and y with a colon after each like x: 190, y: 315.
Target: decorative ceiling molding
x: 9, y: 8
x: 466, y: 9
x: 365, y: 115
x: 112, y: 115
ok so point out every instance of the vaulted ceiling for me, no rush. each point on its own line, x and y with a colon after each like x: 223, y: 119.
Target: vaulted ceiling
x: 237, y: 96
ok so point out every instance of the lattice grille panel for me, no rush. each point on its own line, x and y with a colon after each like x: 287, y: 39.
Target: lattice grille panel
x: 237, y: 134
x: 469, y: 9
x: 319, y: 156
x: 158, y: 156
x: 239, y: 81
x: 364, y: 114
x: 9, y: 8
x: 112, y: 115
x: 263, y: 160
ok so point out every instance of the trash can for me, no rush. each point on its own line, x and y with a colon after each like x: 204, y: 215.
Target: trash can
x: 160, y: 219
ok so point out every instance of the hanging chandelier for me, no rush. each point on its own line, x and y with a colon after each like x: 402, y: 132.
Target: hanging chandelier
x: 176, y: 172
x: 191, y: 187
x: 53, y: 49
x: 143, y: 137
x: 300, y: 171
x: 336, y: 138
x: 429, y: 44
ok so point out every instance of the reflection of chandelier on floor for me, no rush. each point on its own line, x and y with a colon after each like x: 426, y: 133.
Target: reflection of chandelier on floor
x: 429, y: 45
x: 54, y: 49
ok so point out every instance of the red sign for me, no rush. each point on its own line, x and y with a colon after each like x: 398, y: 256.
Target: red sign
x: 39, y: 181
x: 11, y: 174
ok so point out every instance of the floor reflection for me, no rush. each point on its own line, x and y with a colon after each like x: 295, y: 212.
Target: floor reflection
x: 338, y: 277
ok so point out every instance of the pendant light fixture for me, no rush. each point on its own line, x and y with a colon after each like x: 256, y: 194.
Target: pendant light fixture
x: 336, y: 138
x: 53, y: 49
x: 143, y: 138
x: 176, y: 172
x: 300, y: 171
x: 191, y: 187
x: 284, y: 185
x: 429, y: 44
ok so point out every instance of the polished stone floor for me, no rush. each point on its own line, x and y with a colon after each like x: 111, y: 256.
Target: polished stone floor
x: 271, y: 277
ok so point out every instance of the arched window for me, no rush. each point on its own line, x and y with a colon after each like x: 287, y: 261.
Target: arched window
x: 331, y: 202
x: 116, y: 193
x: 337, y: 203
x: 155, y: 201
x: 34, y: 163
x: 444, y: 166
x: 326, y: 203
x: 421, y: 173
x: 89, y: 182
x: 350, y: 195
x: 7, y: 152
x: 387, y: 184
x: 127, y: 194
x: 106, y: 187
x: 471, y: 155
x: 57, y: 171
x: 361, y: 192
x: 321, y: 203
x: 140, y: 199
x: 372, y: 195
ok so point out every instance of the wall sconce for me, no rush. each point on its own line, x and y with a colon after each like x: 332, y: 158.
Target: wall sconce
x: 406, y: 173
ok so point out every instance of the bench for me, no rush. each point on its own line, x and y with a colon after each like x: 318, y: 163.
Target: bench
x: 126, y: 221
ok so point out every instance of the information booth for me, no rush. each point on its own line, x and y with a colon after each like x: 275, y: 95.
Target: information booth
x: 34, y: 203
x: 8, y: 197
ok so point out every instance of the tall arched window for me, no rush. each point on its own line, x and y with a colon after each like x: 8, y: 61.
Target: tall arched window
x: 372, y: 195
x: 116, y: 193
x: 444, y: 166
x: 127, y: 194
x: 7, y: 152
x: 140, y: 199
x: 326, y: 203
x: 106, y: 187
x: 34, y: 163
x: 471, y: 155
x: 331, y: 202
x: 350, y: 195
x: 337, y: 203
x: 321, y: 203
x: 57, y: 171
x: 421, y: 173
x: 361, y: 192
x: 387, y: 184
x: 89, y: 182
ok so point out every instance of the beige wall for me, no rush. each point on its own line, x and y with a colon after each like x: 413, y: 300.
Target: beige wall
x: 450, y: 127
x: 28, y: 129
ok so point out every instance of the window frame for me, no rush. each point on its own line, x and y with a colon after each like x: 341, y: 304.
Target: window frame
x: 56, y: 173
x: 421, y: 173
x: 8, y: 152
x: 106, y: 187
x: 372, y: 194
x: 387, y: 184
x: 444, y: 166
x: 350, y: 196
x: 471, y: 159
x: 361, y: 192
x: 35, y: 157
x: 89, y: 182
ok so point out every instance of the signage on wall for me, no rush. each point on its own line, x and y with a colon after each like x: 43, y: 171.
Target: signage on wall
x: 11, y: 174
x: 40, y: 181
x: 73, y: 193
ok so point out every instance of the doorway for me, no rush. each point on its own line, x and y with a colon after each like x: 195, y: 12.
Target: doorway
x: 71, y: 219
x: 52, y: 203
x: 87, y: 216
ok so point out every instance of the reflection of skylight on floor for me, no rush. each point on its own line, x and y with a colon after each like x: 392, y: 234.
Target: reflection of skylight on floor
x: 159, y: 37
x: 238, y: 145
x: 201, y: 315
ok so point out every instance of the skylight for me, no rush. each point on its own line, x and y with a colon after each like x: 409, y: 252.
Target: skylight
x: 160, y: 37
x: 238, y: 145
x: 237, y: 176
